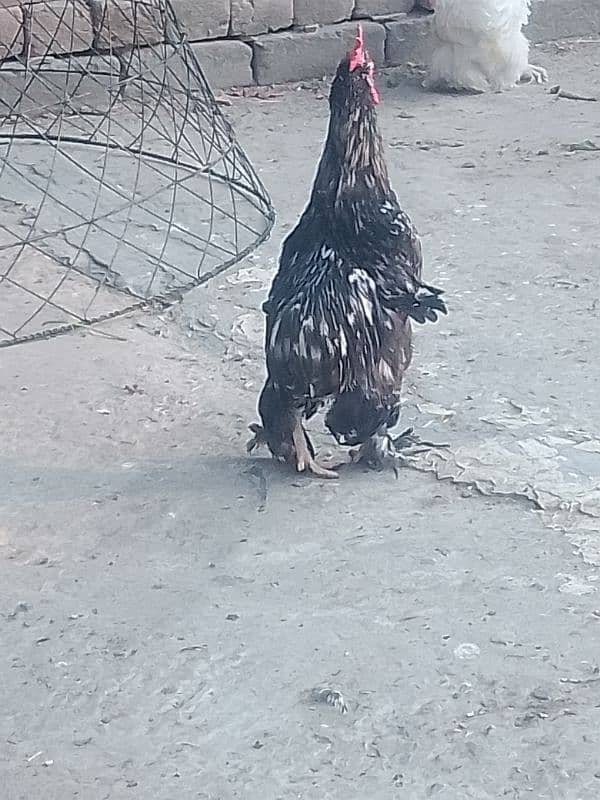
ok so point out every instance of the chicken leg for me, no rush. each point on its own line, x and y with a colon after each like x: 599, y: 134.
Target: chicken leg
x: 301, y: 451
x: 305, y: 461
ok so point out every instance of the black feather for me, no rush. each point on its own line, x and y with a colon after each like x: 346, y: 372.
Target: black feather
x: 420, y: 306
x: 354, y: 417
x: 277, y: 411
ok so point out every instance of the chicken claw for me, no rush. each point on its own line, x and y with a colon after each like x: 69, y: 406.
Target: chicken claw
x: 534, y: 74
x: 304, y: 459
x: 384, y: 446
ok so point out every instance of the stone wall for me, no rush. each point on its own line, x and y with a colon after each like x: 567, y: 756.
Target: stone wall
x: 245, y: 42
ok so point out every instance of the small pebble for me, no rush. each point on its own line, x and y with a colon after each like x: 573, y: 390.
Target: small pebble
x: 467, y: 650
x: 82, y: 742
x: 540, y: 694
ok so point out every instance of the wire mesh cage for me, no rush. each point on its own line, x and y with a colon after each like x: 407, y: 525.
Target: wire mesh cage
x: 121, y: 182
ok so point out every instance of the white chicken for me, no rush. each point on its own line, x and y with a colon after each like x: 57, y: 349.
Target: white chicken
x: 479, y: 45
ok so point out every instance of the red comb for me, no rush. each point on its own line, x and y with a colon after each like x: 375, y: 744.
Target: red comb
x: 356, y: 57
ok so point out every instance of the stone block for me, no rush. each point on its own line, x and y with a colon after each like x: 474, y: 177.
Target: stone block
x: 87, y: 82
x: 294, y: 56
x: 203, y: 19
x: 250, y: 17
x: 382, y: 8
x: 59, y: 26
x: 408, y: 40
x: 11, y: 34
x: 559, y: 19
x: 119, y: 23
x: 309, y: 12
x: 225, y: 64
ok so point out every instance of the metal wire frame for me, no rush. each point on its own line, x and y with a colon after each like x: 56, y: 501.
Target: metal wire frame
x: 121, y: 182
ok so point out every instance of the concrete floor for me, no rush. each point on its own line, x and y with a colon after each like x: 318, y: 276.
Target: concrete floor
x: 168, y: 605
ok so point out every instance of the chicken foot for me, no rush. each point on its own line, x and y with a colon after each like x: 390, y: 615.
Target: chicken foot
x: 534, y: 74
x: 305, y: 461
x: 302, y: 449
x: 383, y: 446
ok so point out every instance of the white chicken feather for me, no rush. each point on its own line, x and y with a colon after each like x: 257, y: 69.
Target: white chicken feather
x: 479, y: 45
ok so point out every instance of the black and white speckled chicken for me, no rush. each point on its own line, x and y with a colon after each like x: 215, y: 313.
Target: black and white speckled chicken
x: 349, y: 282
